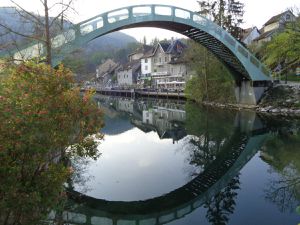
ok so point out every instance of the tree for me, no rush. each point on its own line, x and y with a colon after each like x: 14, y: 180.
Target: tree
x: 44, y: 26
x: 289, y: 55
x: 44, y: 120
x: 211, y: 81
x: 222, y: 205
x: 154, y: 41
x: 144, y: 40
x: 226, y: 13
x: 280, y: 154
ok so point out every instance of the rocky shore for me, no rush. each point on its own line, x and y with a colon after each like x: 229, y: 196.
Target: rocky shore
x: 282, y: 100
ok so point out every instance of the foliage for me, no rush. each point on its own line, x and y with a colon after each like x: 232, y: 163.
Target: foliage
x: 226, y: 13
x: 41, y: 115
x: 82, y: 63
x: 211, y: 129
x: 222, y: 205
x: 287, y: 56
x: 281, y: 97
x: 281, y: 153
x: 212, y: 81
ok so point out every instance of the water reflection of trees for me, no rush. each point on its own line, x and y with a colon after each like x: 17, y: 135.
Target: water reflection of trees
x: 220, y: 206
x: 281, y: 152
x: 211, y: 131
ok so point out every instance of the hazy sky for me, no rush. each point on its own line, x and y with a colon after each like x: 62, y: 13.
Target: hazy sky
x: 257, y: 12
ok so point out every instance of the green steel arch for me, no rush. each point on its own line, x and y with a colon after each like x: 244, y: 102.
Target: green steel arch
x: 237, y: 58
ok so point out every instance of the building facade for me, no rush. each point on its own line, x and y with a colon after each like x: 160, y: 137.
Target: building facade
x: 127, y: 74
x: 169, y: 70
x: 105, y: 73
x: 274, y: 25
x: 250, y: 34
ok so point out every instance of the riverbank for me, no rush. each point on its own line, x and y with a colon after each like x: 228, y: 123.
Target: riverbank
x: 282, y: 100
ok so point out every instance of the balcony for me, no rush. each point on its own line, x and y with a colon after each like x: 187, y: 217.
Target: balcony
x: 163, y: 73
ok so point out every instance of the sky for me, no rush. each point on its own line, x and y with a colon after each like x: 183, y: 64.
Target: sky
x: 257, y: 12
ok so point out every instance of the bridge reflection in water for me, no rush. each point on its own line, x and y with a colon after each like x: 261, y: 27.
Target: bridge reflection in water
x: 247, y: 137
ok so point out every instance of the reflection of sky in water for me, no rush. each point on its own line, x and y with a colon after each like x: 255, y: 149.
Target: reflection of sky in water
x: 135, y: 165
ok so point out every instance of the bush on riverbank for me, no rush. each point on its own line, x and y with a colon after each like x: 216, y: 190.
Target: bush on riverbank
x: 41, y: 114
x: 211, y: 81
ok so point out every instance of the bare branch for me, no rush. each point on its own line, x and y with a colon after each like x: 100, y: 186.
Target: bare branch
x: 63, y: 4
x: 67, y: 7
x: 20, y: 34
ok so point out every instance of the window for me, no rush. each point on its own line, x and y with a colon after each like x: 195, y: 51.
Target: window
x: 146, y: 60
x: 154, y: 60
x: 166, y: 59
x: 288, y: 17
x: 146, y: 67
x: 159, y: 59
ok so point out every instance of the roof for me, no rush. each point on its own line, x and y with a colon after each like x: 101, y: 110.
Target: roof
x: 143, y: 49
x: 265, y: 35
x: 148, y: 54
x: 108, y: 66
x: 164, y: 45
x: 176, y: 47
x: 247, y: 32
x: 276, y: 18
x: 134, y: 65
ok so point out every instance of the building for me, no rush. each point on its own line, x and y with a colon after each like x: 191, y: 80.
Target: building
x: 140, y: 52
x: 165, y: 121
x: 249, y: 34
x: 274, y: 25
x: 146, y: 68
x: 105, y: 73
x: 127, y: 74
x: 165, y: 65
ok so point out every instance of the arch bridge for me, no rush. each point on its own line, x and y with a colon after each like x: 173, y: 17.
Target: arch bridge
x: 250, y: 74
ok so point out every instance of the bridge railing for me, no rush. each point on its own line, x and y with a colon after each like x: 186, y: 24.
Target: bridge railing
x: 139, y: 13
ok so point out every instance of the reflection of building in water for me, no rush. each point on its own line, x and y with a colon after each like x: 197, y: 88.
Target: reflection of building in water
x: 166, y: 122
x: 125, y: 105
x: 166, y: 118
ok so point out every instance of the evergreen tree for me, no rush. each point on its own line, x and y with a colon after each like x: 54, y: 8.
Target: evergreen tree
x: 226, y: 13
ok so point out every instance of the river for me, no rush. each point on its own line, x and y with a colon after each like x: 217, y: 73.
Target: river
x: 173, y: 162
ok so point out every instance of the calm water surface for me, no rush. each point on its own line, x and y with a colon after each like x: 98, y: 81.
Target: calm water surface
x: 171, y: 162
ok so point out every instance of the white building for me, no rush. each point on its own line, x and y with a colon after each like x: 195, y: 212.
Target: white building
x: 146, y: 65
x: 128, y: 73
x: 249, y: 34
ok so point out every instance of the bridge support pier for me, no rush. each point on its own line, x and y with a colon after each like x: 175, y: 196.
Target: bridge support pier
x: 250, y: 92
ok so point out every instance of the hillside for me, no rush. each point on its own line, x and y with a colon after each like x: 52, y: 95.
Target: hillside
x: 106, y: 44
